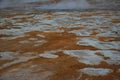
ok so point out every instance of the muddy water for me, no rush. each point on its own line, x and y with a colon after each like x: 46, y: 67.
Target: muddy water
x: 60, y: 45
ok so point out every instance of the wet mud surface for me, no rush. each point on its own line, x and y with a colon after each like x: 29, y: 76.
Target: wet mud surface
x: 52, y: 40
x: 60, y: 45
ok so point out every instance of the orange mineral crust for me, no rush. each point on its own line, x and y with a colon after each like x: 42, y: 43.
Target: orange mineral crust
x: 59, y: 45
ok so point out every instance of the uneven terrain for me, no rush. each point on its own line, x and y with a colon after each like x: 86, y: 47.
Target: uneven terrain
x: 59, y: 45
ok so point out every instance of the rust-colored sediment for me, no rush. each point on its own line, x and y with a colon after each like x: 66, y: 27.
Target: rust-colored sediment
x: 116, y: 21
x: 64, y: 67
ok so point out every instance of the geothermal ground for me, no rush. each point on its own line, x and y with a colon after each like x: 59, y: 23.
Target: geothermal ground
x: 59, y: 45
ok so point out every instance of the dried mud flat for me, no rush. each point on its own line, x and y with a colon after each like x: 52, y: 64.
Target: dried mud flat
x: 60, y: 45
